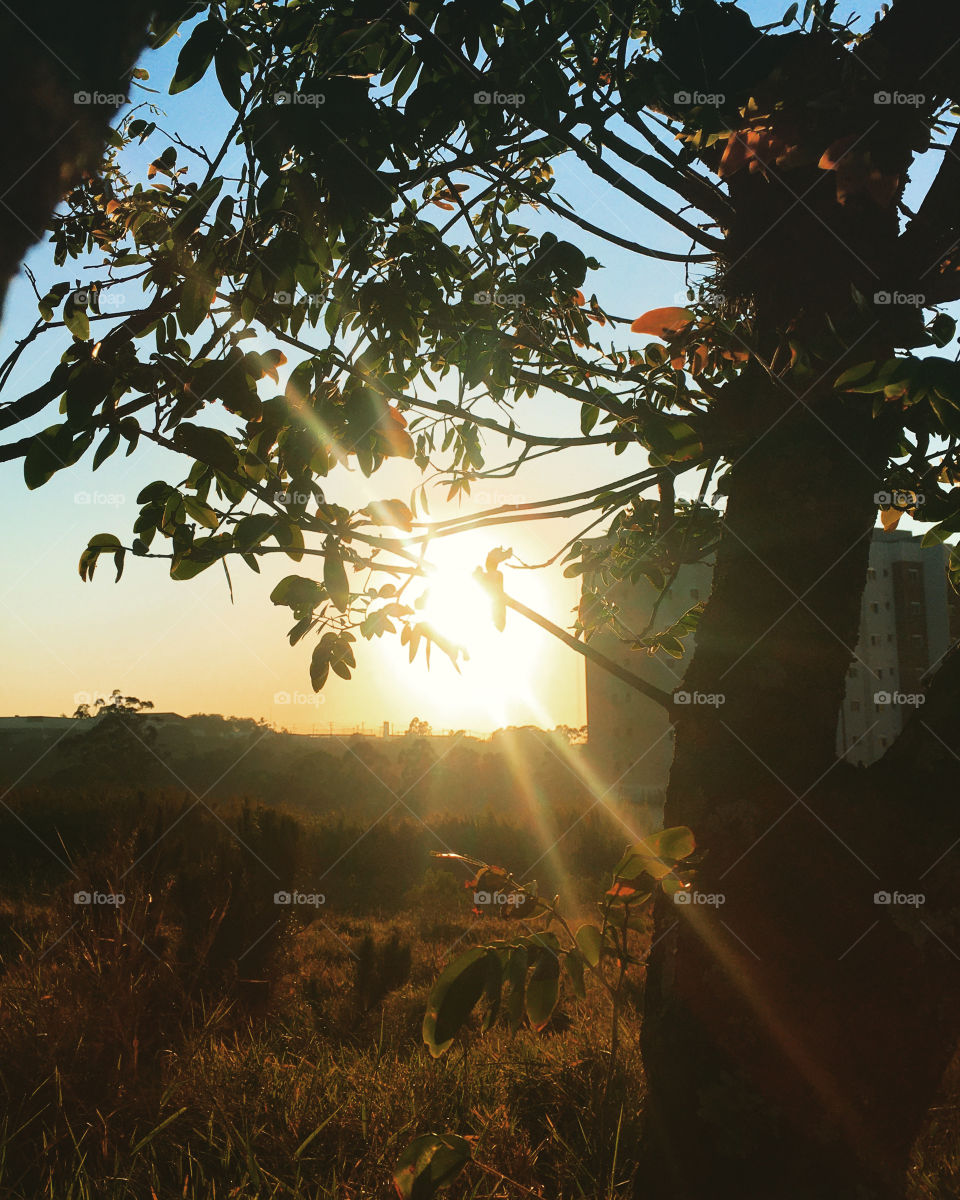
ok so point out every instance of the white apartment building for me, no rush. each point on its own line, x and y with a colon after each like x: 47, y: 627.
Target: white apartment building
x: 909, y: 619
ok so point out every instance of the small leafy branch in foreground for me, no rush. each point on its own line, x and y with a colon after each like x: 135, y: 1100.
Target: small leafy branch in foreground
x: 520, y: 977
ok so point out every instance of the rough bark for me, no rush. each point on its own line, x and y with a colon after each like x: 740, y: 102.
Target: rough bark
x: 62, y: 61
x: 795, y: 1035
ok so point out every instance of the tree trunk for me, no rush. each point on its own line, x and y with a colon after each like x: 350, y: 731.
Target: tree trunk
x: 794, y: 1034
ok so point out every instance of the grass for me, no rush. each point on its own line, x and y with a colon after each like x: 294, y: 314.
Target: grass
x: 316, y: 1099
x: 169, y: 1047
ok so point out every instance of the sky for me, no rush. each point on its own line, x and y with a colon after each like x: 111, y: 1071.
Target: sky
x: 188, y: 648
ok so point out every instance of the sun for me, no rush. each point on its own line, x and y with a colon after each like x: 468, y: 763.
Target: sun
x: 499, y: 678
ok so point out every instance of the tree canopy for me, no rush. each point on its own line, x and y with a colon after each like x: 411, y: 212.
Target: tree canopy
x: 361, y: 228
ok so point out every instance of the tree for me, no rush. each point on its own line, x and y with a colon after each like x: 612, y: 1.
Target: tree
x: 65, y: 74
x: 116, y: 704
x: 362, y: 216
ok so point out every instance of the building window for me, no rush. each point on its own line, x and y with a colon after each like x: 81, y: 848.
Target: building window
x: 874, y: 640
x: 880, y: 672
x: 854, y: 705
x: 874, y: 607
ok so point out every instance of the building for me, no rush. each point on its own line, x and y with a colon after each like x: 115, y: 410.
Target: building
x: 909, y: 619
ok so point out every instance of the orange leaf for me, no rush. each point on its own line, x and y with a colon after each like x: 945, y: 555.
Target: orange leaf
x: 662, y: 321
x: 831, y: 157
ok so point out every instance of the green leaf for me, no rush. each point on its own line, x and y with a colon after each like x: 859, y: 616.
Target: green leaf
x: 942, y: 329
x: 543, y: 990
x: 296, y: 592
x: 106, y: 447
x: 590, y: 942
x: 196, y: 56
x: 492, y: 989
x: 516, y: 977
x: 319, y: 665
x: 453, y: 998
x: 335, y: 578
x: 207, y: 445
x: 573, y: 964
x: 390, y: 512
x: 99, y: 544
x: 201, y: 512
x: 192, y: 215
x: 49, y: 451
x: 855, y: 374
x: 430, y: 1162
x: 75, y: 316
x: 675, y: 843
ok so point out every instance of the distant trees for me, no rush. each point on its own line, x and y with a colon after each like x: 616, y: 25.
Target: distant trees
x: 115, y: 704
